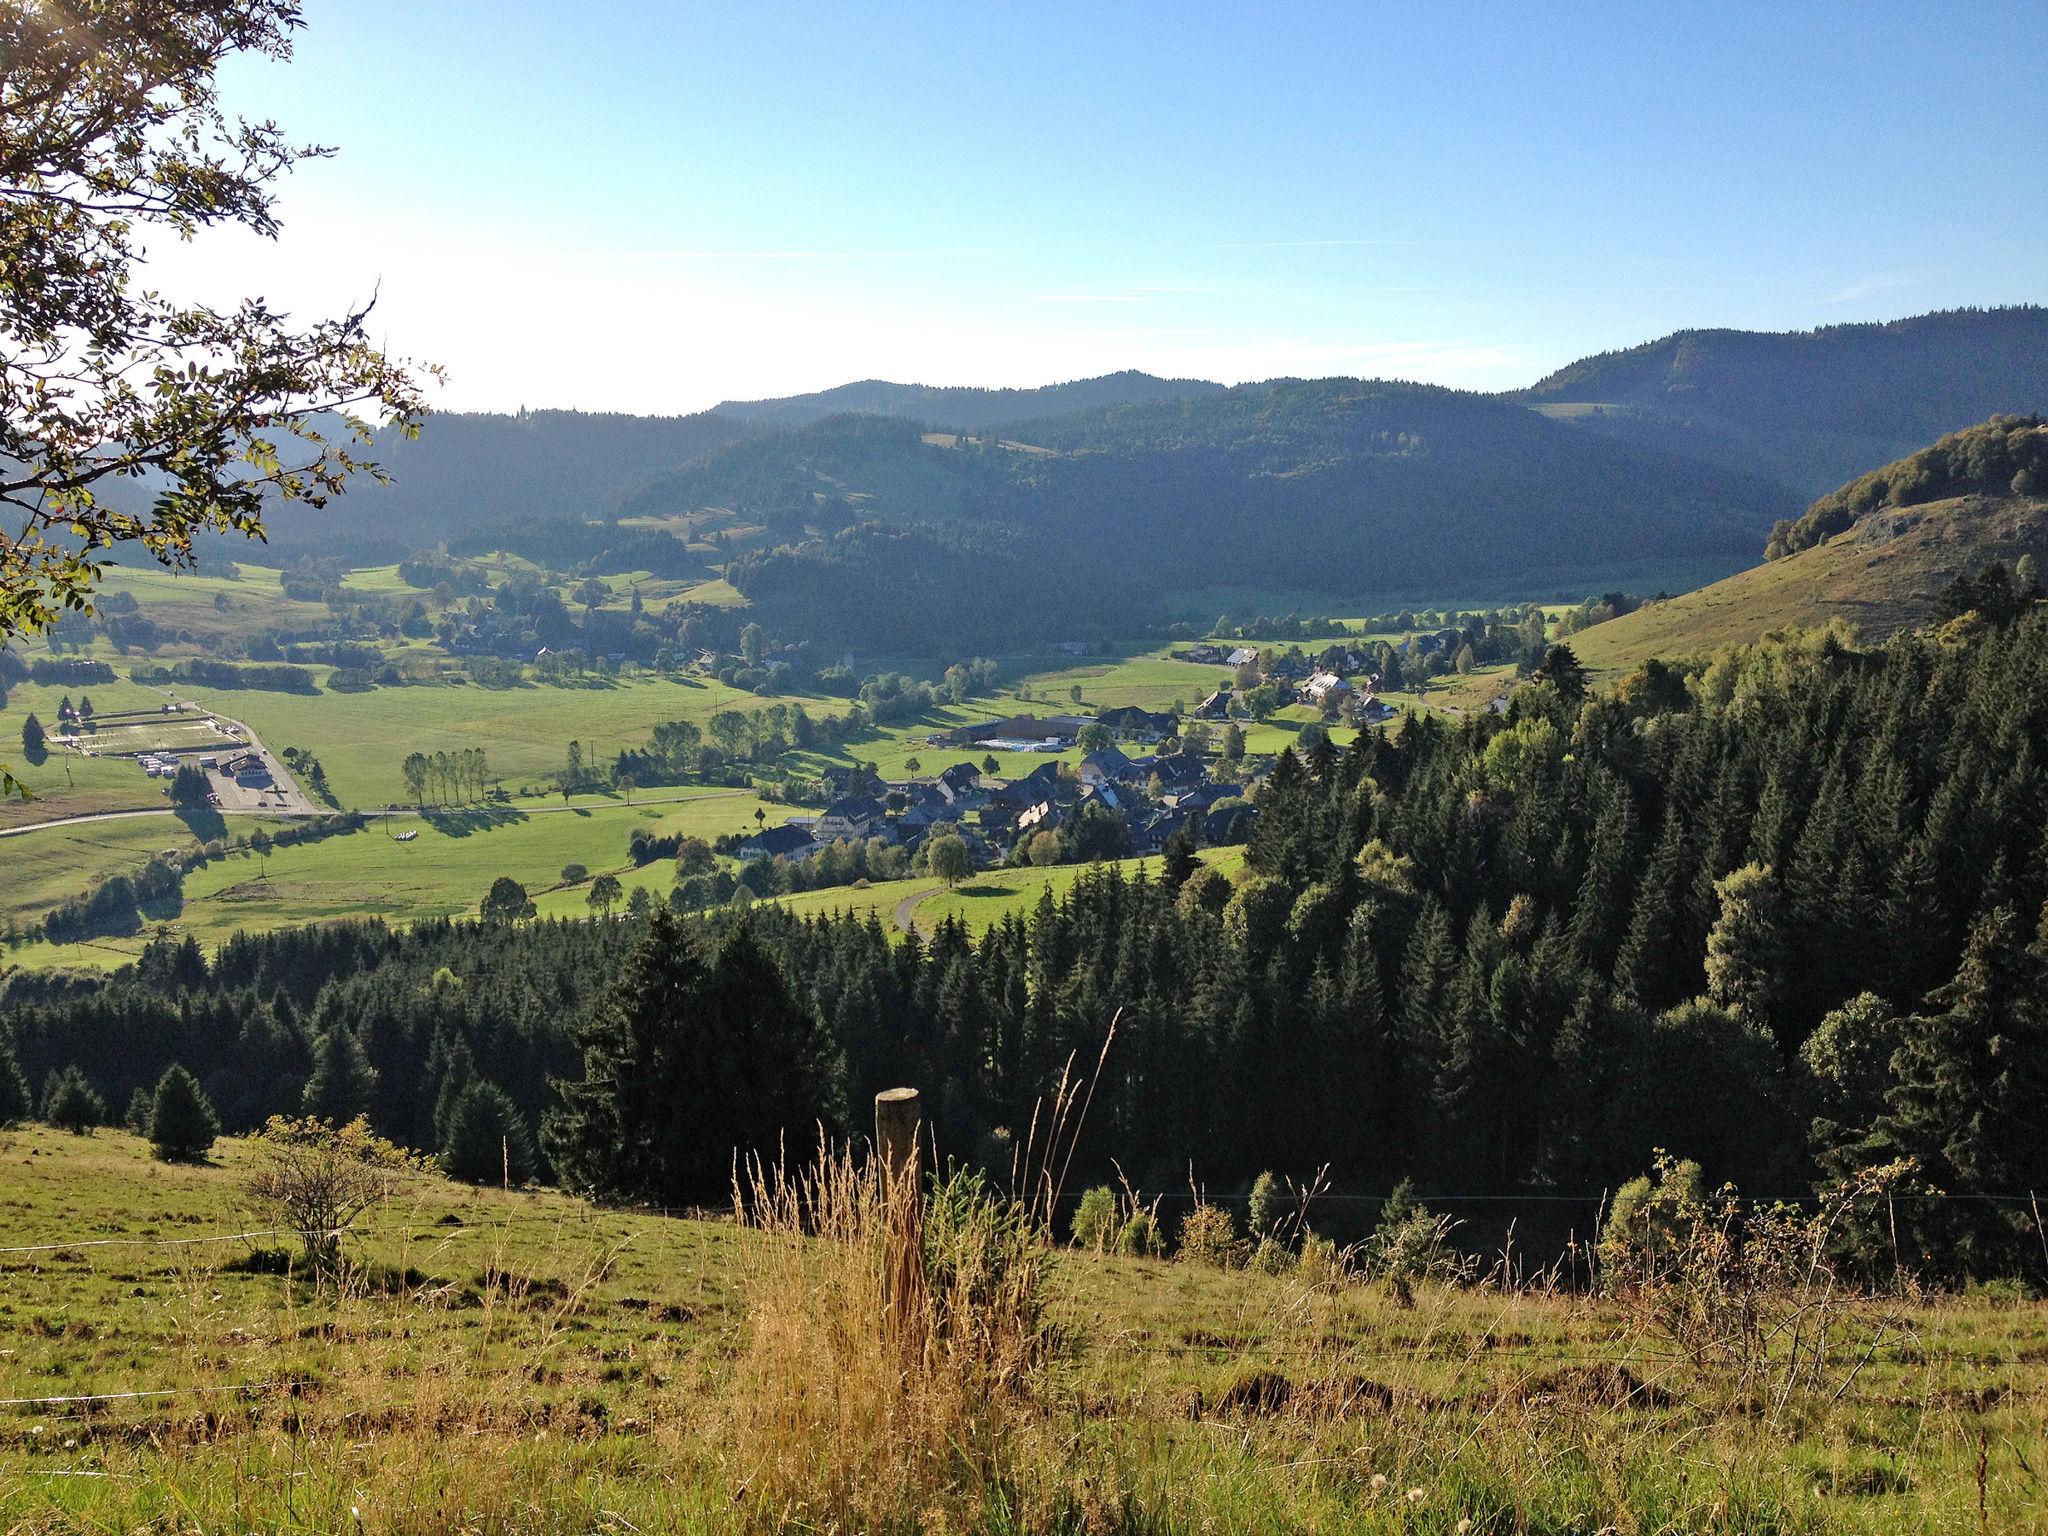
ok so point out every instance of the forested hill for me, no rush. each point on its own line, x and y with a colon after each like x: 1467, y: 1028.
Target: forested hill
x: 1078, y: 523
x: 1811, y: 408
x: 964, y: 409
x: 472, y: 474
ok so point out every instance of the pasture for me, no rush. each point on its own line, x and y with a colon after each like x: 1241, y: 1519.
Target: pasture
x: 519, y: 1361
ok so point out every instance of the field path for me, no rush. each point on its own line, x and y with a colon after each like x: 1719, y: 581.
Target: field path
x: 905, y: 915
x: 532, y: 810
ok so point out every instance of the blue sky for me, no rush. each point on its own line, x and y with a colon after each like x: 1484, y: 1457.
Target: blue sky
x: 639, y: 206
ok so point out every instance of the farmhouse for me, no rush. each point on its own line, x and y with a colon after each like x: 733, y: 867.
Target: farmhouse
x: 1214, y: 707
x: 1321, y: 689
x: 850, y: 818
x: 1109, y: 766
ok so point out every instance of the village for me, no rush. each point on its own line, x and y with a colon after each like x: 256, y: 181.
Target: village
x: 1143, y: 776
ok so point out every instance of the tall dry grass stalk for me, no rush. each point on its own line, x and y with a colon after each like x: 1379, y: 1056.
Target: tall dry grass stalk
x: 838, y: 1421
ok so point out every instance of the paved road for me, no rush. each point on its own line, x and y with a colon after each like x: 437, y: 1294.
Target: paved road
x: 523, y: 810
x: 906, y: 910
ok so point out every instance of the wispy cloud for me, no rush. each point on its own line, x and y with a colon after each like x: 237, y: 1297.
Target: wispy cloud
x: 1867, y: 288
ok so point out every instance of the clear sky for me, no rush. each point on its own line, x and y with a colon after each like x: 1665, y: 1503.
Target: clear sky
x: 651, y: 207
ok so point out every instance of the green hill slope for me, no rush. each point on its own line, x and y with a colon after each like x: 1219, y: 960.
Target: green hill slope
x: 1882, y: 575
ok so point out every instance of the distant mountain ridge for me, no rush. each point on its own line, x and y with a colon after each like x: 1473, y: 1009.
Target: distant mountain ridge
x: 1810, y: 408
x: 964, y: 408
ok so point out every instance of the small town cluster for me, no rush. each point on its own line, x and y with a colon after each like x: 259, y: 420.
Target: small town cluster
x: 1143, y: 775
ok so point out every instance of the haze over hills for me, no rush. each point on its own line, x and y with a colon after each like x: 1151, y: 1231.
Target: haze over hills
x: 1810, y: 408
x: 964, y: 409
x: 1877, y: 553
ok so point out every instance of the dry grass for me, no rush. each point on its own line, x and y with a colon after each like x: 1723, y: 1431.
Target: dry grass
x: 522, y: 1364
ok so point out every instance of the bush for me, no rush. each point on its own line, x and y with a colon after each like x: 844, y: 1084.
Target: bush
x: 70, y: 1104
x: 1651, y: 1221
x: 1272, y: 1257
x: 1140, y: 1237
x: 316, y: 1179
x: 182, y: 1124
x: 1410, y: 1244
x: 1097, y: 1222
x: 1262, y: 1210
x: 1208, y: 1235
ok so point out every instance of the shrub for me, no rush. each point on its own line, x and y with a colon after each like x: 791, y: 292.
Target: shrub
x: 1262, y: 1210
x: 1651, y: 1221
x: 1097, y: 1222
x: 1409, y: 1245
x: 1139, y: 1237
x: 316, y: 1179
x: 182, y: 1124
x: 1208, y: 1235
x: 1272, y: 1257
x: 70, y: 1104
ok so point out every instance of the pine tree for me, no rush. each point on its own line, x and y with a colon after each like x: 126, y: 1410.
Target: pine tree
x: 487, y: 1140
x: 16, y: 1104
x: 70, y: 1104
x: 182, y: 1124
x: 342, y: 1079
x: 686, y: 1063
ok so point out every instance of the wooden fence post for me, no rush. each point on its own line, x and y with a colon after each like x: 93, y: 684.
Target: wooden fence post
x: 898, y: 1121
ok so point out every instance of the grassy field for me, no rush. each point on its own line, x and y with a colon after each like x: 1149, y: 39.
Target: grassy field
x: 442, y: 872
x: 1881, y: 576
x: 519, y: 1362
x: 47, y: 867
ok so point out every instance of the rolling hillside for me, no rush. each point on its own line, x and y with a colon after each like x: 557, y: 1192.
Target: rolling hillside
x: 1809, y: 408
x: 1076, y: 524
x: 1882, y: 576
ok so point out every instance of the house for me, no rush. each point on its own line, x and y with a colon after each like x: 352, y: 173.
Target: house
x: 958, y: 781
x: 1181, y: 768
x: 1214, y: 707
x: 1203, y: 796
x: 1243, y: 656
x: 1041, y: 783
x: 1108, y: 796
x: 853, y: 817
x: 794, y: 843
x: 1201, y: 655
x: 1134, y: 724
x: 1321, y: 689
x: 1109, y: 766
x: 1228, y: 826
x: 1042, y: 816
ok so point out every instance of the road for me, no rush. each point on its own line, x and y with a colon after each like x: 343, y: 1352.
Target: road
x: 906, y: 909
x: 526, y: 810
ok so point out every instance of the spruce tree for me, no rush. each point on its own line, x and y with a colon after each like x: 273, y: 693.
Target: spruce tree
x: 182, y: 1124
x: 141, y: 1105
x: 16, y: 1103
x: 70, y: 1104
x: 487, y: 1140
x: 342, y: 1078
x: 686, y: 1062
